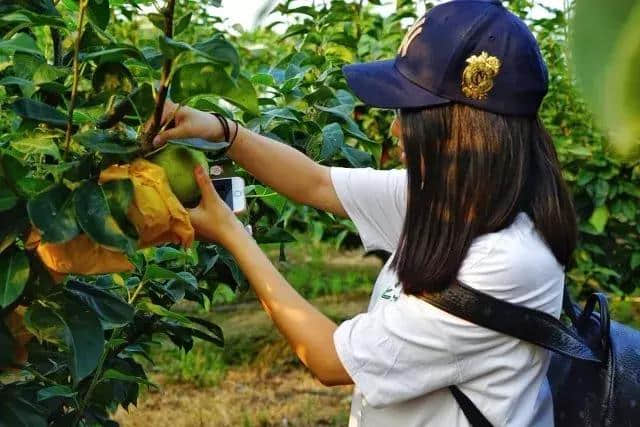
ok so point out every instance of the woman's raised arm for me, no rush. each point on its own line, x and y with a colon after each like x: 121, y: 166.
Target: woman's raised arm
x: 286, y: 170
x: 277, y: 165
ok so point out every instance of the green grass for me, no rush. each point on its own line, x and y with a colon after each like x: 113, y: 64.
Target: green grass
x: 315, y: 270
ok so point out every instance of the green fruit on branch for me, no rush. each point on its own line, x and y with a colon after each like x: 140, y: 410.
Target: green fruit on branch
x: 179, y: 164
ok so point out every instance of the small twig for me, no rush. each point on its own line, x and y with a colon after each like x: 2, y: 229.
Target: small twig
x: 39, y: 375
x: 150, y: 134
x: 57, y: 46
x: 137, y: 291
x: 76, y: 77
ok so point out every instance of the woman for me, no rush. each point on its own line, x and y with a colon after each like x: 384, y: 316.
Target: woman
x: 482, y: 200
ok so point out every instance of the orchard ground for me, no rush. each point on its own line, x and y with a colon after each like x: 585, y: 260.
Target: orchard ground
x: 256, y: 380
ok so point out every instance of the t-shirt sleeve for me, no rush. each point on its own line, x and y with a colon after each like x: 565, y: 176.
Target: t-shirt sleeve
x: 376, y: 203
x: 390, y: 359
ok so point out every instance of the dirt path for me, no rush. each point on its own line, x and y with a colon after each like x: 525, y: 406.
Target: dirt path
x: 272, y: 389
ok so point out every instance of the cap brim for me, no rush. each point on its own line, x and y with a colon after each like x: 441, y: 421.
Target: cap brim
x: 380, y: 84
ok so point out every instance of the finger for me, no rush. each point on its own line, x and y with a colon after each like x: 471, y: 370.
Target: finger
x: 209, y: 194
x: 164, y: 136
x: 168, y: 111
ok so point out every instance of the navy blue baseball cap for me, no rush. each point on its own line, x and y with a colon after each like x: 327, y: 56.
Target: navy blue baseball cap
x: 473, y: 52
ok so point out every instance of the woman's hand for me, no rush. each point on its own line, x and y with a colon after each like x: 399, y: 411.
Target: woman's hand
x: 212, y: 219
x: 190, y: 123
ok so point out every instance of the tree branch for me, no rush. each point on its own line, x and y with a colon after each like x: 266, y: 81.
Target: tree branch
x: 57, y: 46
x: 153, y: 130
x: 76, y: 77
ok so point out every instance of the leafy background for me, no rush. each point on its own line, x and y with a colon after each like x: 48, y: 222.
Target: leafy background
x: 287, y: 85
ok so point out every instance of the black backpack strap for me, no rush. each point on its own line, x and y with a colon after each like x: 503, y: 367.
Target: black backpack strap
x: 474, y: 416
x: 520, y: 322
x: 517, y: 321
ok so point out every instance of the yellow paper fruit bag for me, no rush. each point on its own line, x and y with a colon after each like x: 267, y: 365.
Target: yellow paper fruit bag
x: 155, y: 212
x: 80, y: 255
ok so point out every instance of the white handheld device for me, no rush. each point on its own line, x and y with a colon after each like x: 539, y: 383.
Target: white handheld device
x: 231, y: 190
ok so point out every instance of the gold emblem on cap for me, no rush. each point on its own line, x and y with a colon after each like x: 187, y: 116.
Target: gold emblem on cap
x: 413, y: 32
x: 477, y: 77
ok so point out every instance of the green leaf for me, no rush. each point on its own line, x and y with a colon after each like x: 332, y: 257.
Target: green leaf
x: 244, y: 96
x: 14, y: 273
x: 236, y: 273
x: 40, y: 112
x: 106, y: 142
x: 332, y: 140
x: 167, y: 253
x: 17, y: 175
x: 155, y: 272
x: 8, y: 199
x: 599, y: 218
x: 45, y: 7
x: 114, y: 53
x: 219, y: 50
x: 44, y: 323
x: 37, y: 145
x: 99, y: 13
x: 211, y: 327
x: 182, y: 23
x: 119, y: 196
x: 275, y: 235
x: 84, y: 338
x: 358, y: 158
x: 55, y: 391
x: 112, y: 78
x: 52, y: 212
x: 94, y: 217
x: 20, y: 42
x: 635, y: 260
x: 26, y: 86
x: 207, y: 78
x: 172, y: 48
x: 157, y: 19
x: 139, y: 102
x: 14, y: 170
x: 283, y: 113
x: 17, y: 412
x: 22, y: 16
x: 112, y: 310
x: 263, y: 79
x: 161, y: 311
x: 202, y: 145
x: 47, y: 73
x: 113, y: 374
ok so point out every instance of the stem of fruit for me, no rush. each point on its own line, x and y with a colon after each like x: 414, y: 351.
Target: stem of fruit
x: 76, y: 77
x: 95, y: 379
x: 150, y: 134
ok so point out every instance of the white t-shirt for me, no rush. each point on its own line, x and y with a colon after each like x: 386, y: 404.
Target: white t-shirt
x: 404, y: 353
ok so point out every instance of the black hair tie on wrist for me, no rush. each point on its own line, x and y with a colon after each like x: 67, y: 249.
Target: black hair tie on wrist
x: 224, y: 122
x: 225, y: 125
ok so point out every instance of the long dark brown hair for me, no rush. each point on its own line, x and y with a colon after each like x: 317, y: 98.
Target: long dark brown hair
x: 470, y: 172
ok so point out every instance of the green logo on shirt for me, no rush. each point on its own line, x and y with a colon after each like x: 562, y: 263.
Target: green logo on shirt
x: 392, y: 292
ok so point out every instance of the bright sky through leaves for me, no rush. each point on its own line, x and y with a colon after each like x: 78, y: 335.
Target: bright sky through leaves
x: 244, y: 12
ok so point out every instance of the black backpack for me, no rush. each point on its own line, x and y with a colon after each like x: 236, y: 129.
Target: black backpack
x: 594, y: 373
